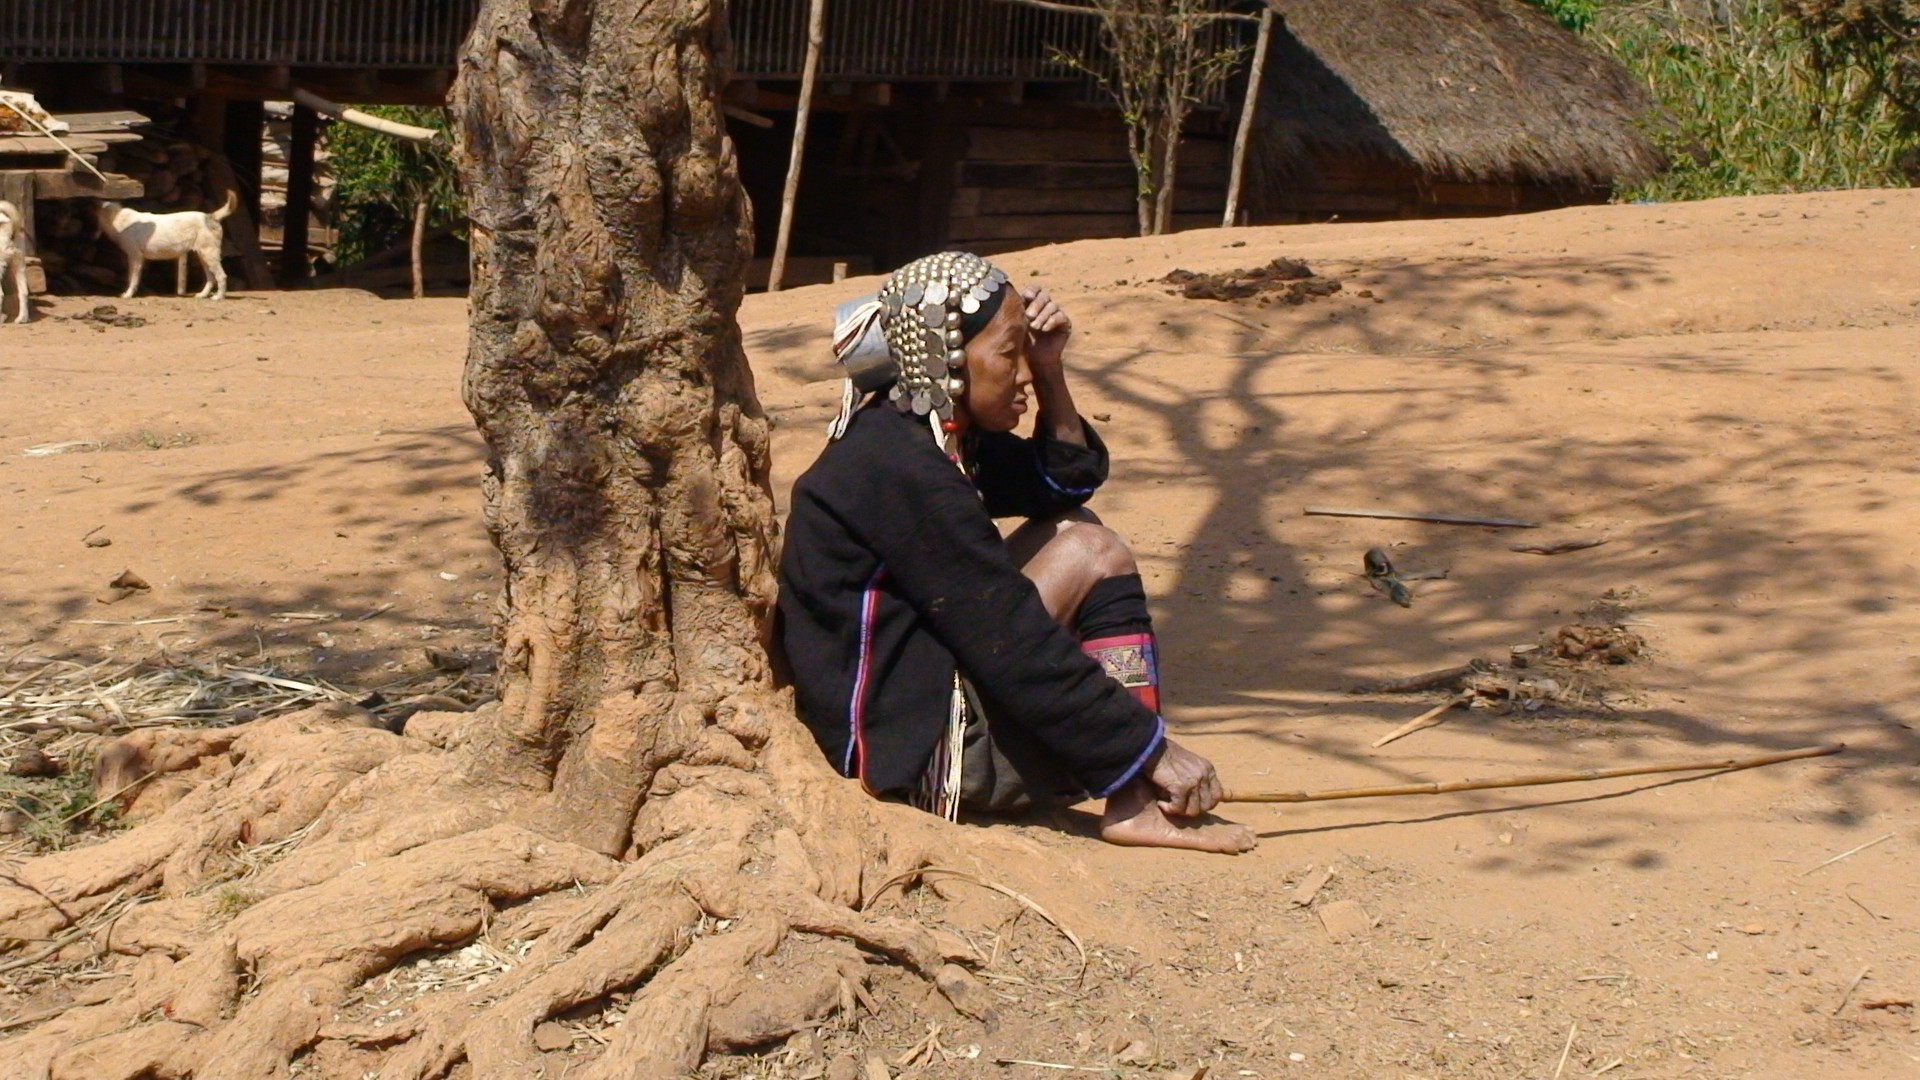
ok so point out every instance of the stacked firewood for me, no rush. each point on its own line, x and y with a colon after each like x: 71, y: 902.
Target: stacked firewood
x: 276, y: 146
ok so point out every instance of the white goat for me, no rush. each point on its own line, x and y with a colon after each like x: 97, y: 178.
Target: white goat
x: 169, y: 236
x: 13, y: 260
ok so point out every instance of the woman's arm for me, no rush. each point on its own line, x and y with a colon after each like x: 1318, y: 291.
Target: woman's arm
x: 1059, y: 419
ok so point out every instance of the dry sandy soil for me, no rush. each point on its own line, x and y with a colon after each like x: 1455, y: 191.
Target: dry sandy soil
x: 1726, y: 390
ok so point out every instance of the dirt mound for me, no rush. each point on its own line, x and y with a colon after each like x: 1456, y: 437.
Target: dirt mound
x: 1286, y: 280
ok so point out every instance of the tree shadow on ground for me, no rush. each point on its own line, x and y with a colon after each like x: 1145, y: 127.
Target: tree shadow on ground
x: 389, y: 527
x: 1251, y: 591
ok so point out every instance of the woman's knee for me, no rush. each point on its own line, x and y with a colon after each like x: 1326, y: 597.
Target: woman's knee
x: 1100, y: 551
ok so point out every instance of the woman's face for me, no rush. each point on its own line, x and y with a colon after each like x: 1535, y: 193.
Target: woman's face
x: 997, y: 372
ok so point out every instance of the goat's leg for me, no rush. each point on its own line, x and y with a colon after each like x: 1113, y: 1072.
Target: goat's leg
x: 135, y: 264
x: 216, y: 285
x: 180, y: 276
x: 20, y: 286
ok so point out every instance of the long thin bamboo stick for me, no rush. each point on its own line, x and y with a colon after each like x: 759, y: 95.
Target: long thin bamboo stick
x: 809, y: 69
x: 1443, y: 519
x: 1534, y: 779
x: 1245, y: 128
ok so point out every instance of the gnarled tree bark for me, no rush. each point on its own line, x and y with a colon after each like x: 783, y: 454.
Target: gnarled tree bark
x: 628, y: 485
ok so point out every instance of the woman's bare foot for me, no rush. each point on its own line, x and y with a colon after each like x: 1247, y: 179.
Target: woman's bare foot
x: 1133, y: 818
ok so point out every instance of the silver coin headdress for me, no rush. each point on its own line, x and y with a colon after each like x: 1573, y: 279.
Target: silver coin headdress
x: 909, y: 337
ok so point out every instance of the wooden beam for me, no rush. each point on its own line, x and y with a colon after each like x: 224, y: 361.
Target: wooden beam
x: 1239, y: 167
x: 61, y: 184
x: 245, y: 122
x: 816, y: 31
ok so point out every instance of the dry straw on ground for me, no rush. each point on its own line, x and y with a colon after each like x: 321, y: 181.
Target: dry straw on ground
x: 68, y: 709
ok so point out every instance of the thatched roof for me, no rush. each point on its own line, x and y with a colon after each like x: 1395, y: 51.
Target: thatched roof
x: 1467, y: 90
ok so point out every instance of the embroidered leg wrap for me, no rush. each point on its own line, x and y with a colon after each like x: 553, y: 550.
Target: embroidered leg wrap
x: 1117, y: 630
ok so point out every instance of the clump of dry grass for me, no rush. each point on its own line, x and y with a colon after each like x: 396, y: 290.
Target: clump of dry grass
x: 68, y: 709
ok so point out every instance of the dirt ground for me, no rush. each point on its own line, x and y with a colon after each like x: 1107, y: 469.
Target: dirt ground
x: 1724, y: 390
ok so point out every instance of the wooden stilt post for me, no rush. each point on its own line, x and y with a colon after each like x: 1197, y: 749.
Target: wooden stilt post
x: 246, y: 122
x: 1246, y: 118
x: 816, y: 31
x: 208, y: 128
x: 299, y: 210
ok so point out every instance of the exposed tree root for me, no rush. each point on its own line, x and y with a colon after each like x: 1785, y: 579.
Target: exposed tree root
x: 734, y: 922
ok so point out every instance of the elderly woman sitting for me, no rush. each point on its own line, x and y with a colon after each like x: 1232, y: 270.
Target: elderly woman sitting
x: 936, y: 661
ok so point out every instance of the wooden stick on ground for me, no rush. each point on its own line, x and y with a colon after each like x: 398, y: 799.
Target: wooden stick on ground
x: 1847, y: 854
x: 1424, y: 720
x: 1564, y: 1051
x: 1559, y: 547
x: 1428, y: 680
x: 1443, y: 519
x: 1534, y: 779
x: 1851, y: 987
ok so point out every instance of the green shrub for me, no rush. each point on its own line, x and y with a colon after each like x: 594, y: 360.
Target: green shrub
x: 1755, y: 101
x: 378, y: 180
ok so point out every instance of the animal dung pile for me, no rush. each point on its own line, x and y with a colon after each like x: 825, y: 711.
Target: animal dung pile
x: 1288, y: 281
x: 1585, y: 643
x: 1576, y: 666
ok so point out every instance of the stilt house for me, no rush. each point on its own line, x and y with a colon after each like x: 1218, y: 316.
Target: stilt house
x: 942, y: 123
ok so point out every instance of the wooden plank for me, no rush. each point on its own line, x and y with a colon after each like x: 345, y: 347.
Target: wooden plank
x: 1347, y: 202
x: 118, y: 120
x: 61, y: 184
x: 1504, y: 196
x: 1078, y: 175
x: 977, y: 202
x: 1208, y: 152
x: 1054, y: 116
x: 40, y: 144
x: 1043, y: 226
x: 1030, y: 144
x: 1040, y: 227
x: 1040, y: 146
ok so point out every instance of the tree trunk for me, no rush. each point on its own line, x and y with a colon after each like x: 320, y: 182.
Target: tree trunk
x: 628, y: 483
x: 418, y: 242
x: 1169, y: 166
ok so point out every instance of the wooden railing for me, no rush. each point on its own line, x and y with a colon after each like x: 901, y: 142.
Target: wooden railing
x: 879, y: 40
x: 308, y: 33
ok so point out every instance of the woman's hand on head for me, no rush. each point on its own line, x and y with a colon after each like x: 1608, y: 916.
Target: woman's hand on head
x: 1049, y: 326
